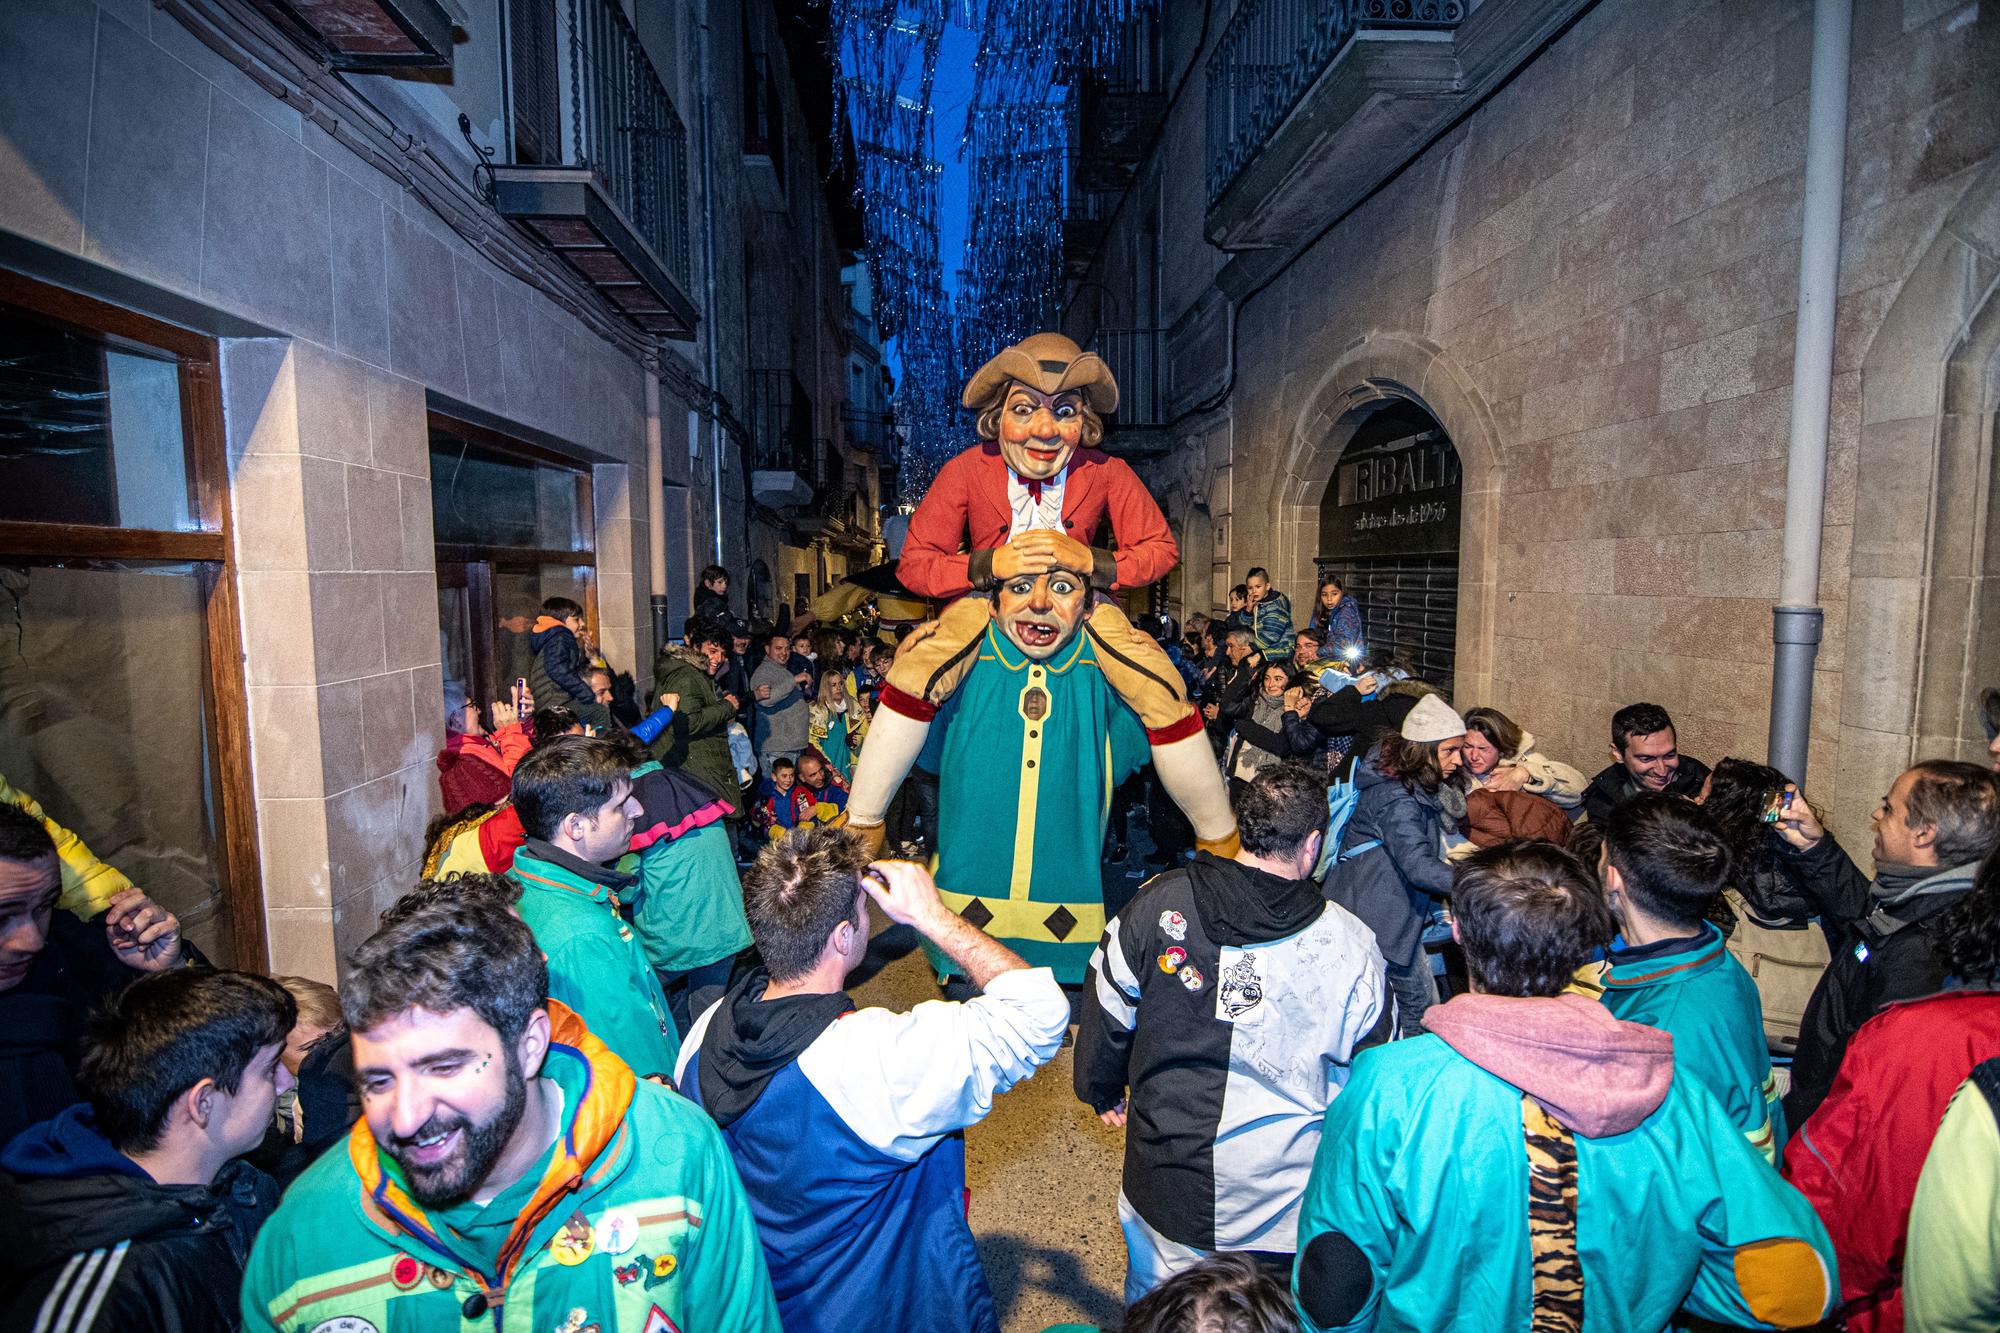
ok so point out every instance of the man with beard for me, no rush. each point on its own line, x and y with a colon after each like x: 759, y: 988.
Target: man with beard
x: 507, y: 1164
x: 574, y: 796
x: 1030, y: 499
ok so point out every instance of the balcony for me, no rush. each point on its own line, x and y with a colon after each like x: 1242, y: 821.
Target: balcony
x: 1313, y: 103
x: 782, y: 458
x: 599, y: 170
x: 763, y: 131
x: 1134, y: 356
x: 869, y: 431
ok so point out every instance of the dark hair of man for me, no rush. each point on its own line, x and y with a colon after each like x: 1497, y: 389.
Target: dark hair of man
x: 710, y: 573
x: 628, y: 749
x: 702, y: 631
x: 1280, y: 808
x: 1500, y: 731
x: 1528, y: 916
x: 1312, y: 634
x: 800, y: 888
x: 166, y: 1032
x: 551, y: 723
x: 1586, y: 844
x: 1637, y: 720
x: 562, y: 608
x: 1413, y: 763
x: 1736, y: 792
x: 444, y: 890
x: 1257, y: 572
x: 1969, y: 931
x: 1672, y: 857
x: 467, y: 952
x: 1962, y: 803
x: 22, y: 836
x: 571, y: 775
x: 1224, y: 1293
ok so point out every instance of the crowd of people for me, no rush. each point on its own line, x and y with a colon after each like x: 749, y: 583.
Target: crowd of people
x: 1454, y: 1038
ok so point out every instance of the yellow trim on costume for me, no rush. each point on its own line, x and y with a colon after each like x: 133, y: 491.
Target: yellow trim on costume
x: 1022, y: 918
x: 1028, y: 794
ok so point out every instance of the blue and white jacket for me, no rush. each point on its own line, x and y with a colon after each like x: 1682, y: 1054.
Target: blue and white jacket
x: 844, y: 1126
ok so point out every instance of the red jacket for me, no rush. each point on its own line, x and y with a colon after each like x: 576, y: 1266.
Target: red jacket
x: 479, y: 769
x: 966, y: 510
x: 1858, y: 1157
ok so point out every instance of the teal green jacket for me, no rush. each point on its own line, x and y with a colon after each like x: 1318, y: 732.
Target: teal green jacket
x: 639, y: 1187
x: 1421, y: 1182
x: 1697, y: 991
x: 596, y: 964
x: 689, y: 908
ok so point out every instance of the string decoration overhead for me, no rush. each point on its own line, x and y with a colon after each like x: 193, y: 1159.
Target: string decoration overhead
x: 1020, y: 130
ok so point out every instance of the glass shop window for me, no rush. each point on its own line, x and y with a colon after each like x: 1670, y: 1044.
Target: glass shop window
x: 122, y: 712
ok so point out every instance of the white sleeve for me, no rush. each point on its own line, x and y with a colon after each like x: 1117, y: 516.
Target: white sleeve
x: 900, y: 1081
x: 696, y: 1031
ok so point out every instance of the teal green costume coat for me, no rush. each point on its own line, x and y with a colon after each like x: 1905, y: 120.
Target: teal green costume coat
x: 1702, y: 995
x: 596, y: 964
x: 1025, y: 793
x: 1666, y: 1212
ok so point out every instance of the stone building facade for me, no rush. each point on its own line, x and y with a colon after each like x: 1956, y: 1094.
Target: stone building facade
x: 329, y: 236
x: 1569, y: 234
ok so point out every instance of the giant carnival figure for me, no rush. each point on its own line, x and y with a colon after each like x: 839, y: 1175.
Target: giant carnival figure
x: 1047, y: 695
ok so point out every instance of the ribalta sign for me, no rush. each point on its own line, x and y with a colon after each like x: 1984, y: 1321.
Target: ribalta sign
x: 1394, y: 496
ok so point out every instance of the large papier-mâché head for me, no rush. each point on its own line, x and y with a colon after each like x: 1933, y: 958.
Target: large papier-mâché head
x: 1040, y: 399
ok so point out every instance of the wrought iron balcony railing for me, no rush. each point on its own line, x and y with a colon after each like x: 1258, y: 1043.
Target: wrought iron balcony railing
x: 1273, y: 51
x: 780, y: 422
x: 587, y: 95
x: 1134, y: 356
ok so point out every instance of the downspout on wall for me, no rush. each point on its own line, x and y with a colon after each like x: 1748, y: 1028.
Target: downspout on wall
x: 656, y: 513
x: 716, y: 439
x: 1797, y: 618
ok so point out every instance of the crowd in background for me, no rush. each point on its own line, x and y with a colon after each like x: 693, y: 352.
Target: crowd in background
x: 1455, y: 1036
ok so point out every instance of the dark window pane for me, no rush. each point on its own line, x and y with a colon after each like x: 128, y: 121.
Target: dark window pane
x: 483, y: 498
x: 102, y: 681
x: 90, y: 430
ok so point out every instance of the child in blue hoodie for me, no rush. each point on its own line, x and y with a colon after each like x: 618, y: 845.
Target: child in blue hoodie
x: 557, y: 674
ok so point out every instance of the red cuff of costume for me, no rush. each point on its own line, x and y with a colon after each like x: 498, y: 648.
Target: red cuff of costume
x: 918, y: 710
x: 1191, y: 725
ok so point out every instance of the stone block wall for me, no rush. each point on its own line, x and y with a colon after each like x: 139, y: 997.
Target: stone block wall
x: 1592, y: 280
x: 128, y: 145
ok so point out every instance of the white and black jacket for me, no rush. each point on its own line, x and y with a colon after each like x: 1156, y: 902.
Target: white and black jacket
x: 1231, y: 1003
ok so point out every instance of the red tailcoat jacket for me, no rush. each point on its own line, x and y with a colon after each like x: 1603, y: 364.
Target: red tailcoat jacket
x: 966, y: 510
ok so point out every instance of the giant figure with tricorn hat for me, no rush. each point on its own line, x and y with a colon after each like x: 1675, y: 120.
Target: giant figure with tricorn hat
x: 1048, y: 694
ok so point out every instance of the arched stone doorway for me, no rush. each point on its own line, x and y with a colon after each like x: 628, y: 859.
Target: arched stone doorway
x: 1375, y: 373
x: 1389, y: 528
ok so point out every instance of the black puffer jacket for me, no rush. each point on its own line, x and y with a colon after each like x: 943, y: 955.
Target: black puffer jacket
x: 1613, y: 786
x: 95, y: 1246
x: 41, y: 1018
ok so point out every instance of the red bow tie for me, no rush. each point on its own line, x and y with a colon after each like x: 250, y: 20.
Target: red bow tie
x: 1034, y: 488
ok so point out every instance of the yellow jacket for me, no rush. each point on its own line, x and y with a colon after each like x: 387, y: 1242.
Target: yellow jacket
x: 87, y: 883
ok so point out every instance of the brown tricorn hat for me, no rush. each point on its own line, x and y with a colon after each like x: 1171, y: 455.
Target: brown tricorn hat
x: 1051, y: 363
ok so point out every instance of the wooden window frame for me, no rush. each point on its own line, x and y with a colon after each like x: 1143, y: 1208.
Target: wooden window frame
x: 480, y: 559
x: 211, y: 548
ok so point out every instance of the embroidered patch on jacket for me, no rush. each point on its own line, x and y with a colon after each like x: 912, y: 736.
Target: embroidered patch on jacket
x: 1557, y: 1301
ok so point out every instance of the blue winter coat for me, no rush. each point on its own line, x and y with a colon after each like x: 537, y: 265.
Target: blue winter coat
x: 1390, y: 885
